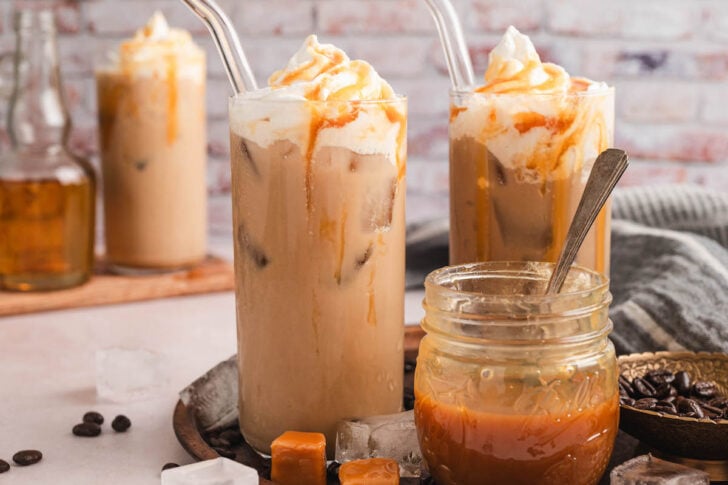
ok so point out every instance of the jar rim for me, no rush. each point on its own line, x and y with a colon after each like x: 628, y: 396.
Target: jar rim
x: 436, y: 279
x: 505, y: 302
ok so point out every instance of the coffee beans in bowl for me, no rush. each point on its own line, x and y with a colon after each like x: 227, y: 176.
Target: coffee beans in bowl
x: 675, y: 402
x: 673, y: 393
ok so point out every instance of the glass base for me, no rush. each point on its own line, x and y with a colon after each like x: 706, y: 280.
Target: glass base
x: 43, y: 281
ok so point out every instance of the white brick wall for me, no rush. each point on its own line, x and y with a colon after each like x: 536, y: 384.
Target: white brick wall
x: 667, y: 58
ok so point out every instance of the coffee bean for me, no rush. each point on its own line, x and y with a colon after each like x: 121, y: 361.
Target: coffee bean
x: 662, y: 390
x: 626, y: 400
x: 219, y: 442
x: 93, y: 417
x: 333, y: 469
x: 4, y: 466
x: 643, y: 388
x: 719, y: 402
x: 232, y: 436
x: 224, y: 452
x: 121, y: 423
x: 669, y: 408
x: 690, y: 406
x: 625, y: 387
x: 705, y: 389
x: 683, y: 404
x: 646, y: 403
x: 27, y: 457
x: 87, y: 429
x: 658, y: 377
x: 710, y: 411
x: 667, y: 404
x: 682, y: 383
x: 167, y: 466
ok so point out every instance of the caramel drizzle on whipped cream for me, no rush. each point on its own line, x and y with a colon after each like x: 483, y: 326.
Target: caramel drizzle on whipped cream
x: 515, y: 69
x: 329, y: 75
x: 163, y: 51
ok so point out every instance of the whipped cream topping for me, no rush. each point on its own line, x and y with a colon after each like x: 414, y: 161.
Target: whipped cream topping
x: 155, y: 47
x: 320, y: 76
x: 532, y: 115
x: 515, y: 66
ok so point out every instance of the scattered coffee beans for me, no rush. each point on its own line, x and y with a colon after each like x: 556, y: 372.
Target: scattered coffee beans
x: 87, y: 429
x: 4, y: 466
x: 333, y: 469
x: 219, y: 442
x: 662, y: 391
x: 27, y: 457
x: 167, y: 466
x: 93, y: 417
x: 121, y: 423
x: 232, y: 436
x: 224, y: 452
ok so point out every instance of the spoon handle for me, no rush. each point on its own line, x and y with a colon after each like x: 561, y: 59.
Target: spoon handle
x: 606, y: 172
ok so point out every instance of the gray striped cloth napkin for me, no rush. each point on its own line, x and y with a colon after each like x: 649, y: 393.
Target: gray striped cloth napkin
x: 669, y: 267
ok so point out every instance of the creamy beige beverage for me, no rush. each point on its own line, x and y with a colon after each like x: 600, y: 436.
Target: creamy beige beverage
x: 318, y: 165
x: 521, y: 149
x: 151, y: 101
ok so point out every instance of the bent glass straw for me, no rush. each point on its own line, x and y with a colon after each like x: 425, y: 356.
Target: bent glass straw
x: 453, y: 43
x: 227, y: 42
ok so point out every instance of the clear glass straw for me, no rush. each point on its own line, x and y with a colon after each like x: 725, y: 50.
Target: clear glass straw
x: 453, y: 43
x: 227, y: 42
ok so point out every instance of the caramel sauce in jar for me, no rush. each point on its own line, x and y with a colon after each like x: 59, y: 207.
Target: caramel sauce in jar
x: 512, y: 386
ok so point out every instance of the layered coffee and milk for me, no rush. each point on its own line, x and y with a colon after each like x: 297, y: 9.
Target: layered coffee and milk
x: 521, y: 149
x: 318, y: 166
x: 151, y: 101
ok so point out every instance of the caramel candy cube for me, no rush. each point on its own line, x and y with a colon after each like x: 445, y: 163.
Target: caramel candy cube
x: 298, y: 458
x: 374, y: 471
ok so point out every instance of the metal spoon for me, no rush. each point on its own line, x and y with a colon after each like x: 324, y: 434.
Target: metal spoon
x: 606, y: 172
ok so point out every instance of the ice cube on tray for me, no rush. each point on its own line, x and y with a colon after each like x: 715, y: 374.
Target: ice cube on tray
x: 387, y: 436
x: 219, y: 471
x: 648, y: 470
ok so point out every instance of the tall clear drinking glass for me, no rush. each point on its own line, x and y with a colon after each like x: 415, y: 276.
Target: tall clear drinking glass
x: 318, y: 215
x: 518, y: 166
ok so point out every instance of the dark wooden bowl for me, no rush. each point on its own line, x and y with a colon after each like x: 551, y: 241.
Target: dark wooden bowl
x: 700, y: 439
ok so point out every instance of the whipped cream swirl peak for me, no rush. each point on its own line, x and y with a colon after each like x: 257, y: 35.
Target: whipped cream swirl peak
x: 158, y: 49
x: 324, y: 72
x: 514, y: 66
x: 532, y: 116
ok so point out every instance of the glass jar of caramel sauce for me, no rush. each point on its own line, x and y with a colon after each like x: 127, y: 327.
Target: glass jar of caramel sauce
x: 513, y: 386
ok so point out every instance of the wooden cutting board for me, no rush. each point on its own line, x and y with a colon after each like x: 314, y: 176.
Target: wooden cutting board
x: 104, y: 288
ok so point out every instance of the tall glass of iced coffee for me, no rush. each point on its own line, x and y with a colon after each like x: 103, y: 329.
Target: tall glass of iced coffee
x: 318, y: 171
x: 521, y: 149
x: 151, y: 101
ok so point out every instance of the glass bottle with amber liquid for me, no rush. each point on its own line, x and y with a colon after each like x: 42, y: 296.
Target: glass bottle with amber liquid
x: 47, y: 194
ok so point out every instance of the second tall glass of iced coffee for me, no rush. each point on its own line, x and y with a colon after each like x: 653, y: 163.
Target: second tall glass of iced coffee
x: 521, y: 149
x: 318, y: 165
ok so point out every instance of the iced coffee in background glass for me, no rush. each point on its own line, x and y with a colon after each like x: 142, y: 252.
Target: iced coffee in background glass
x: 521, y: 149
x: 318, y: 171
x: 151, y: 102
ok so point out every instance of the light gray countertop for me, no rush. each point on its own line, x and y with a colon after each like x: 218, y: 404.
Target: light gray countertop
x: 48, y: 381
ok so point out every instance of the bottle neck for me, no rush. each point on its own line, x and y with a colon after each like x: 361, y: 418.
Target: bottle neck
x: 38, y: 120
